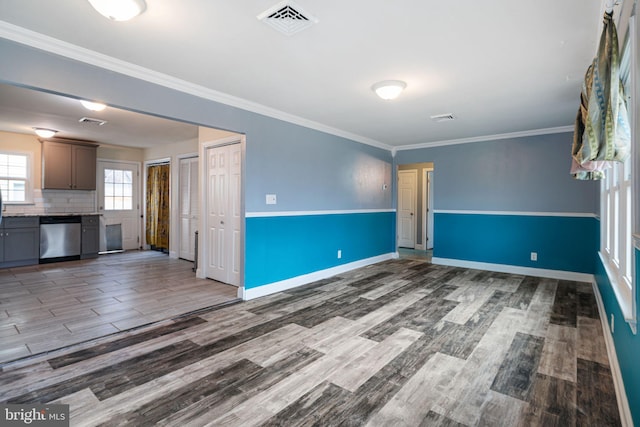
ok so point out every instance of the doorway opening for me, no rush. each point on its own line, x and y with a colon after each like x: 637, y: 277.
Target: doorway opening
x: 157, y: 197
x: 415, y: 209
x: 188, y: 205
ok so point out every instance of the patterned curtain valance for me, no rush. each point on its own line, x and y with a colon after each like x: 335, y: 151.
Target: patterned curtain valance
x: 602, y: 134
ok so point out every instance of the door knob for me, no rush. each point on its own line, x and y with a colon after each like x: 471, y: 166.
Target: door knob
x: 222, y: 222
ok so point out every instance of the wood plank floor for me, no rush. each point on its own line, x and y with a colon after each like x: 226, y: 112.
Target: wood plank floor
x: 49, y: 306
x: 400, y: 343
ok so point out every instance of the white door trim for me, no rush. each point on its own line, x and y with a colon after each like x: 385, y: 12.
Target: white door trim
x: 203, y: 246
x: 423, y: 218
x: 430, y: 211
x: 187, y: 156
x: 426, y: 219
x: 143, y: 216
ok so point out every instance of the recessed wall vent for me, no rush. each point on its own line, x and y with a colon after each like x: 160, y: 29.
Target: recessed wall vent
x: 287, y: 17
x: 443, y: 117
x: 90, y: 121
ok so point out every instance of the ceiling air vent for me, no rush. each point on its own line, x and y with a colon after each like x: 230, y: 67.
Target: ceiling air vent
x: 443, y: 117
x: 287, y: 17
x: 90, y: 121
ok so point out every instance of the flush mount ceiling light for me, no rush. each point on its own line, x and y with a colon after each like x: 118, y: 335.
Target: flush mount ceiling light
x: 44, y: 133
x: 93, y: 106
x: 119, y: 10
x: 389, y: 89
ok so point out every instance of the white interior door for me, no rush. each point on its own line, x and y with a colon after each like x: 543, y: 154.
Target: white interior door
x: 407, y: 183
x: 188, y: 207
x: 224, y: 180
x: 118, y: 200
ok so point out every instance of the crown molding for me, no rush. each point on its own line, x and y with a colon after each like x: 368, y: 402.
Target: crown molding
x: 485, y: 138
x: 58, y: 47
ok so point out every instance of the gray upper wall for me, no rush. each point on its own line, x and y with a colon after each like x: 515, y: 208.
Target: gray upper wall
x: 529, y: 174
x: 307, y: 169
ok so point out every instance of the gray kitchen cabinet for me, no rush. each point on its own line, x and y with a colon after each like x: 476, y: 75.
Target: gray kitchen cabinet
x: 20, y: 241
x: 90, y: 236
x: 68, y: 165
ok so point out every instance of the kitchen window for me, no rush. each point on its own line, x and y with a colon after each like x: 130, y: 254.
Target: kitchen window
x: 15, y: 177
x: 118, y: 189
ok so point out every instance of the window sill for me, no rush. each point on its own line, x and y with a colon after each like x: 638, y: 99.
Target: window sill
x: 624, y: 295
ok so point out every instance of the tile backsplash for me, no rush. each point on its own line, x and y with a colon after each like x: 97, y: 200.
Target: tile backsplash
x: 56, y: 201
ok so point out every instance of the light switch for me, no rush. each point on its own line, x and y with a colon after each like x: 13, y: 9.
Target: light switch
x: 271, y: 199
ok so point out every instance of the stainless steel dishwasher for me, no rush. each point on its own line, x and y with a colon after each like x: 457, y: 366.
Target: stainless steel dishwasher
x: 60, y: 238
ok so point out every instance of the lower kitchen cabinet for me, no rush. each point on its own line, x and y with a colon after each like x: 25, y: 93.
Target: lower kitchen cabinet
x: 90, y: 236
x: 19, y: 241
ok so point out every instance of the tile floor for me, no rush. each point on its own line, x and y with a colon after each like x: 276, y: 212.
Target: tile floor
x: 49, y: 306
x: 399, y: 343
x: 415, y: 254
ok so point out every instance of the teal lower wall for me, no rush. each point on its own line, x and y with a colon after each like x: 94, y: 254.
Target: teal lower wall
x: 561, y: 242
x: 283, y: 247
x: 627, y: 344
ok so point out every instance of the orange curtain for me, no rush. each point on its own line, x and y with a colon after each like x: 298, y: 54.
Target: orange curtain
x: 157, y: 224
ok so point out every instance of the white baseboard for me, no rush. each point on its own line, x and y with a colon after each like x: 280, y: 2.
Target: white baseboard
x: 618, y: 383
x: 294, y: 282
x: 513, y: 269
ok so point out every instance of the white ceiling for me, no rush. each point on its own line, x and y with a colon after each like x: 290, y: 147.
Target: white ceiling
x: 22, y: 109
x: 500, y: 66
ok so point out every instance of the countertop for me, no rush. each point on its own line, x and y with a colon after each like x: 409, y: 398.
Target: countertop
x: 50, y: 214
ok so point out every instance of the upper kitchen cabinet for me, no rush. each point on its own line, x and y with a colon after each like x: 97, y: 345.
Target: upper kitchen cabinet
x: 68, y: 165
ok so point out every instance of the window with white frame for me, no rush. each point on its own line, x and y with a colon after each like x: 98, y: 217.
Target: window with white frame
x: 15, y: 177
x: 118, y: 189
x: 617, y: 219
x: 617, y: 224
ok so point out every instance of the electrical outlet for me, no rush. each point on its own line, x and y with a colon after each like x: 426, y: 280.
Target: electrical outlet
x: 271, y: 199
x: 534, y: 256
x: 339, y: 253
